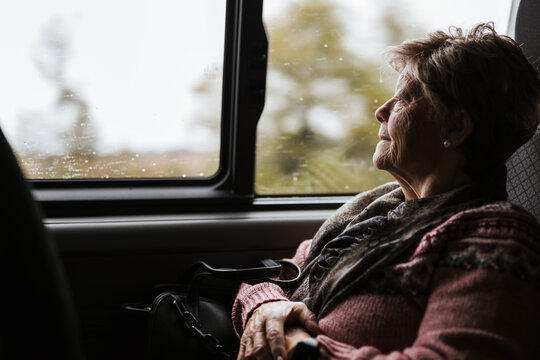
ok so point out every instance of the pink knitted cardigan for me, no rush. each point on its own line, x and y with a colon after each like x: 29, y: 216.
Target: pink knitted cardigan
x: 481, y: 269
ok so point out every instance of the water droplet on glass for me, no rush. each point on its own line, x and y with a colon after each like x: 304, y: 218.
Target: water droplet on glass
x: 86, y: 161
x: 376, y: 101
x: 136, y: 155
x: 132, y: 158
x: 143, y: 170
x: 325, y: 45
x: 184, y: 175
x: 295, y: 179
x: 340, y: 59
x: 153, y: 164
x: 301, y: 98
x: 201, y: 174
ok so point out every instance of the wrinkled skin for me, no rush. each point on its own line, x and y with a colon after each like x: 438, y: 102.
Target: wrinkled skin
x: 274, y: 329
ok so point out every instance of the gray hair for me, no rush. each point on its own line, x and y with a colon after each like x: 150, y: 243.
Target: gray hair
x: 482, y: 75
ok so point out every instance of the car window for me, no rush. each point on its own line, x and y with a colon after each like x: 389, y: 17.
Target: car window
x: 326, y: 77
x: 112, y: 89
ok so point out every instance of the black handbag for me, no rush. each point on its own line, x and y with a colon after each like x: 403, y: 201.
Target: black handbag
x: 188, y: 326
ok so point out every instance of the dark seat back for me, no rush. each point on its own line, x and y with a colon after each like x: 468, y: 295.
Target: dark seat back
x: 38, y: 318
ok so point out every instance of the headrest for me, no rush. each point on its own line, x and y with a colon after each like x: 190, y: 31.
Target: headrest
x: 527, y: 32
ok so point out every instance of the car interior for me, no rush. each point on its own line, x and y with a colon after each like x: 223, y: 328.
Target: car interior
x: 71, y: 261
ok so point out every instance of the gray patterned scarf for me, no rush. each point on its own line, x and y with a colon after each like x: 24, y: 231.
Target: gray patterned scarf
x: 374, y: 230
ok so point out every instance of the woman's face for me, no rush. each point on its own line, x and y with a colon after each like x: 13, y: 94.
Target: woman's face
x: 410, y: 141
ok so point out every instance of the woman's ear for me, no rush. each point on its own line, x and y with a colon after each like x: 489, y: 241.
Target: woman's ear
x: 461, y: 128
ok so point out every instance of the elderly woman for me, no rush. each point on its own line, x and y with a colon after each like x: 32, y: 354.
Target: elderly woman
x: 437, y: 265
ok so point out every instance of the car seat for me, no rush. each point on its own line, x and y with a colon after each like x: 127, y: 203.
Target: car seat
x: 523, y: 184
x: 38, y: 318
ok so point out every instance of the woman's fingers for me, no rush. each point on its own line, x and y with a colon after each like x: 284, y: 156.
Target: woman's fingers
x: 313, y: 327
x: 241, y: 351
x: 259, y: 347
x: 253, y: 344
x: 243, y: 345
x: 275, y: 335
x: 264, y: 334
x: 309, y: 320
x: 302, y: 315
x: 293, y: 336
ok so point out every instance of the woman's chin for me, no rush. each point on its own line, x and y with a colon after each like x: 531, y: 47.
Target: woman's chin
x: 384, y: 157
x: 380, y: 159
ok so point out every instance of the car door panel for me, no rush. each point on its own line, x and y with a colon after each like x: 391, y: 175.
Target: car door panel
x: 111, y: 261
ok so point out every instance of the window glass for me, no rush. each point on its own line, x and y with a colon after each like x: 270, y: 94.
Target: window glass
x: 112, y: 89
x: 327, y: 76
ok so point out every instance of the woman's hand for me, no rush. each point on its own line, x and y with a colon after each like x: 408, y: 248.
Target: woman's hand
x: 293, y: 336
x: 264, y: 334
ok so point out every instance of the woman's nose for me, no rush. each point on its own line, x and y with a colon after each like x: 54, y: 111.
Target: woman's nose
x: 382, y: 112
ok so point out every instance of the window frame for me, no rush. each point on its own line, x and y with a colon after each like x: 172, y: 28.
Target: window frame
x: 229, y: 59
x: 232, y: 187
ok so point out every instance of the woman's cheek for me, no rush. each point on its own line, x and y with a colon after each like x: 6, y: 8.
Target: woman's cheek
x: 382, y: 158
x: 398, y: 150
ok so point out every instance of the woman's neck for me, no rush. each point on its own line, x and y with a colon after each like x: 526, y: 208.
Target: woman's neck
x: 434, y: 183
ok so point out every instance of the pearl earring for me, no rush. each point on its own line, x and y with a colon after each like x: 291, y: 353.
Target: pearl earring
x: 447, y: 143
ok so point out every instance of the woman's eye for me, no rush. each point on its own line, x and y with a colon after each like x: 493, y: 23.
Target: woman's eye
x: 399, y: 104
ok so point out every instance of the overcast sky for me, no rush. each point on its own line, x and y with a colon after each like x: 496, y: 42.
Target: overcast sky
x: 139, y: 98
